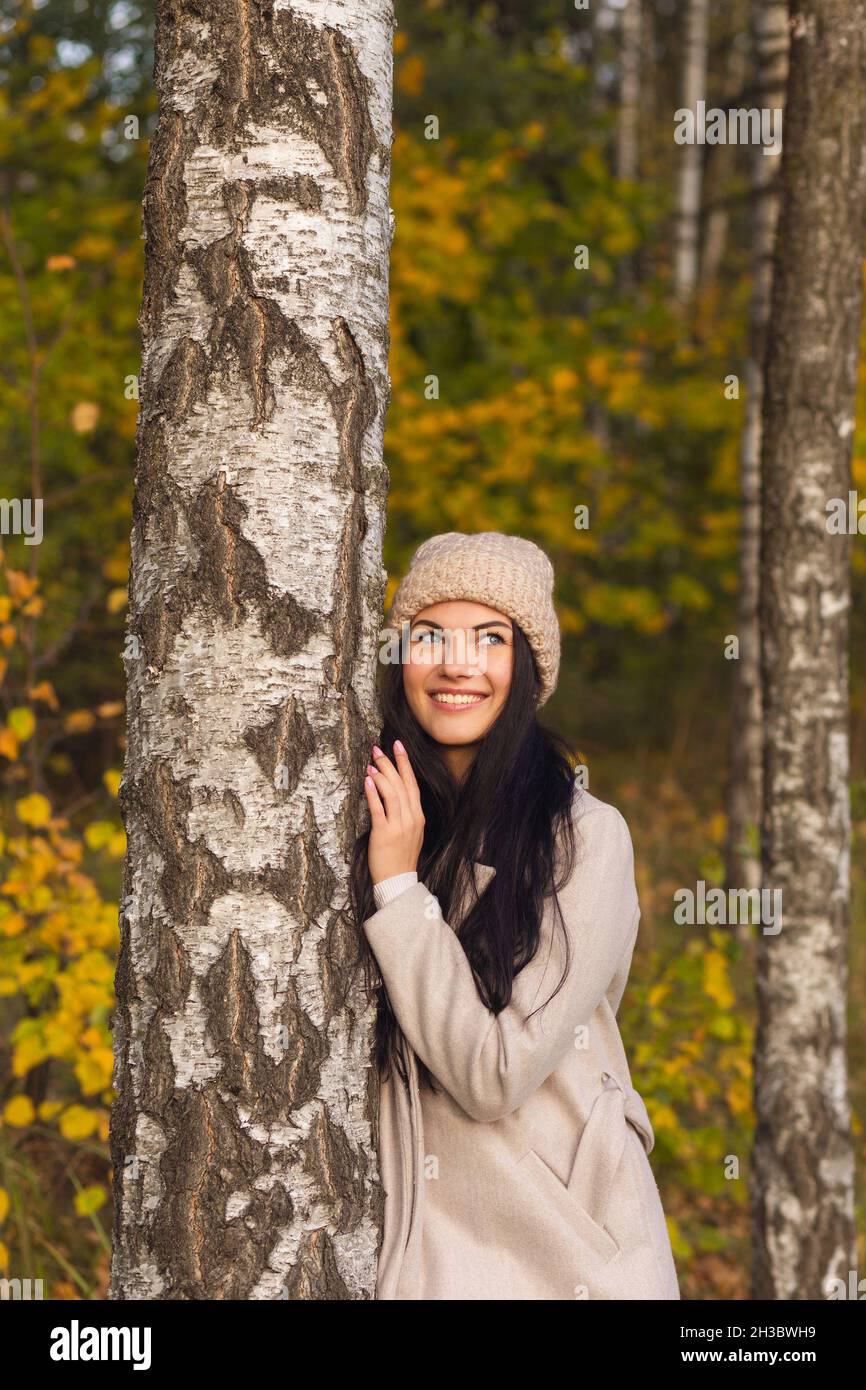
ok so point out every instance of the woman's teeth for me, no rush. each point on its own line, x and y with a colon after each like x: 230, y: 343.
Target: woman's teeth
x: 458, y: 699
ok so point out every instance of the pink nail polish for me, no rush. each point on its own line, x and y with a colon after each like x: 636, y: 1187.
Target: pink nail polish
x: 368, y: 782
x: 398, y: 746
x: 377, y: 752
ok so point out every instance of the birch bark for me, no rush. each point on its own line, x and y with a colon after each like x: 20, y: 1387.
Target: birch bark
x: 691, y: 157
x: 243, y: 1143
x: 769, y: 25
x: 803, y: 1189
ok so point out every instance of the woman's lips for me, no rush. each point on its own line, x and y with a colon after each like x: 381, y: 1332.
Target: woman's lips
x: 455, y: 707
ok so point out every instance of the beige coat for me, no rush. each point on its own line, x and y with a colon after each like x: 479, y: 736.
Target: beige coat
x: 528, y: 1176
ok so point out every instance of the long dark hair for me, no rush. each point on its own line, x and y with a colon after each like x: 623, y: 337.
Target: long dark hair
x: 512, y: 810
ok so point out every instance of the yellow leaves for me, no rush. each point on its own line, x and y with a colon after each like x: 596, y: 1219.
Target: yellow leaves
x: 564, y: 379
x: 60, y: 262
x: 7, y: 635
x: 78, y: 1122
x: 661, y: 1116
x: 93, y: 247
x: 45, y: 693
x: 410, y: 75
x: 49, y: 1108
x: 19, y: 1112
x: 597, y: 369
x: 33, y: 810
x: 94, y: 1071
x: 116, y: 600
x: 79, y: 721
x: 83, y: 416
x: 13, y: 924
x: 90, y: 1199
x: 104, y: 834
x: 533, y: 132
x: 716, y: 983
x: 4, y: 1204
x: 21, y: 587
x: 111, y: 778
x: 110, y: 709
x: 116, y: 566
x: 20, y: 720
x: 28, y: 1053
x: 739, y: 1096
x: 8, y: 745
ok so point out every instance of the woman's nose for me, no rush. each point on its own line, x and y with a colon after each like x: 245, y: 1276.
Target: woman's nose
x: 461, y: 652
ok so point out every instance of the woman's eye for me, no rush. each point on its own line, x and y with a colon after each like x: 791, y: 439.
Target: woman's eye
x: 422, y: 636
x: 496, y: 636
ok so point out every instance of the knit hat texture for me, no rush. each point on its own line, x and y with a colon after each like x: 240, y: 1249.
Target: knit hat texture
x: 505, y: 572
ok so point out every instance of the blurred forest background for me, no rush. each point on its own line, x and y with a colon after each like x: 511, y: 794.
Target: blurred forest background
x: 556, y: 388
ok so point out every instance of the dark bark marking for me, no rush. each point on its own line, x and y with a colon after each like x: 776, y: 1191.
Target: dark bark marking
x: 286, y: 741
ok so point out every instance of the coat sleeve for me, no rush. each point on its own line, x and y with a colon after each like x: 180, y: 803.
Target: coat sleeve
x: 491, y: 1063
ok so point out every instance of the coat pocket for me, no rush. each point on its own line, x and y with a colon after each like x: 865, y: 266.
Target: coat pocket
x: 590, y: 1232
x: 600, y: 1151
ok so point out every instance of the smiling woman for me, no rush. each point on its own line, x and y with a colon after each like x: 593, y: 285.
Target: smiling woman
x: 513, y: 1146
x: 458, y: 675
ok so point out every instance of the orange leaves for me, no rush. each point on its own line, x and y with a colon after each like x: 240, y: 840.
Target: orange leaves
x: 45, y: 693
x: 410, y: 75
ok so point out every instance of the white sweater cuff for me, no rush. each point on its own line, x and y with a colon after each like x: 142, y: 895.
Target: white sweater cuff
x: 390, y: 888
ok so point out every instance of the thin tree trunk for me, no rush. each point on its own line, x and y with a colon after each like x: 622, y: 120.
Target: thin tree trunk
x: 243, y: 1136
x: 803, y: 1161
x: 769, y: 24
x: 691, y: 157
x: 628, y: 129
x: 724, y: 157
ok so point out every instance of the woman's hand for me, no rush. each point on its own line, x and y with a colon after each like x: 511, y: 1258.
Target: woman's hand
x: 396, y: 818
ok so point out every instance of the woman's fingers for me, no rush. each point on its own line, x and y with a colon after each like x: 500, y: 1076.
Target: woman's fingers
x: 377, y: 810
x: 404, y: 767
x: 389, y: 783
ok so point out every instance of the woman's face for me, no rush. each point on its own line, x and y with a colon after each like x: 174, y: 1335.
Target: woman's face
x: 458, y: 671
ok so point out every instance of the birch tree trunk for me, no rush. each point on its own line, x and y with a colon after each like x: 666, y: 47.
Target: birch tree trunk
x: 243, y: 1137
x: 803, y: 1160
x: 629, y: 92
x: 724, y: 157
x: 691, y: 157
x: 769, y: 25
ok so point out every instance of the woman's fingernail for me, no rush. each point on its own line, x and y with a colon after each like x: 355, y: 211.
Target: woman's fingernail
x: 398, y: 745
x: 368, y: 782
x: 370, y: 768
x: 377, y: 752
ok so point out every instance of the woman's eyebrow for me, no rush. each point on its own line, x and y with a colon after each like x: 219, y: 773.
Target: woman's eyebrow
x: 428, y: 622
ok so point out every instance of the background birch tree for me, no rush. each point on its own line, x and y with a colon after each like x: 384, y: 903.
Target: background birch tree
x: 803, y: 1191
x: 769, y: 32
x: 691, y: 157
x: 241, y: 1140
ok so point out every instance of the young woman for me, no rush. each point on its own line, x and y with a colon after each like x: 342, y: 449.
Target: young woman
x: 498, y: 902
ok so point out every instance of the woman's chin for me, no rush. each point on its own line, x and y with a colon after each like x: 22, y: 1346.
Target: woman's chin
x: 445, y: 729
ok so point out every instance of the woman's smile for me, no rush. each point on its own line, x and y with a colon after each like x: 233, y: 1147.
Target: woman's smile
x: 457, y: 701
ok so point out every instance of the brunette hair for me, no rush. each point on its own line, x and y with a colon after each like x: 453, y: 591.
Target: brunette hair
x: 513, y: 810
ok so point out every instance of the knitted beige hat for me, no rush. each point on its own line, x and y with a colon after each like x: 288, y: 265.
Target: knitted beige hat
x: 505, y: 572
